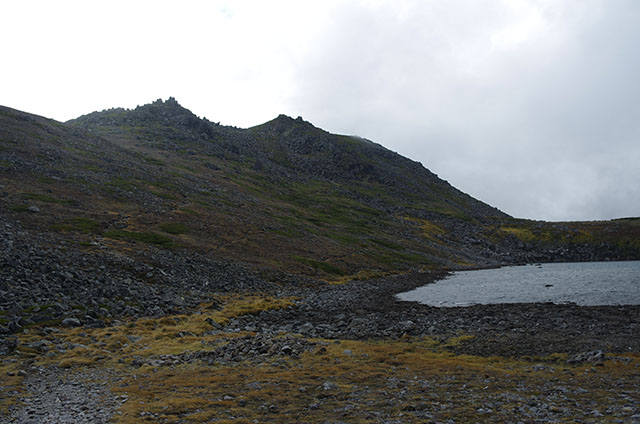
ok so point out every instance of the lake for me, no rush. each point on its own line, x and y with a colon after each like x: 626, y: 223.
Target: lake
x: 584, y: 283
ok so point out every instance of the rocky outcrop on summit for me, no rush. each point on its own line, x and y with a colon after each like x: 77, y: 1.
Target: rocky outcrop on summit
x: 158, y: 119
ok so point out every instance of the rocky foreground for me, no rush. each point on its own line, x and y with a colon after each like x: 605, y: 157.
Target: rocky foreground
x: 89, y: 336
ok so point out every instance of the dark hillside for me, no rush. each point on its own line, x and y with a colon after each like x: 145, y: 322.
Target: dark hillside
x: 282, y: 196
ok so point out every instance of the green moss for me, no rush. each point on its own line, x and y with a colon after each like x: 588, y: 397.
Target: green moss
x: 145, y: 237
x: 400, y: 259
x: 345, y: 239
x: 19, y: 208
x: 122, y: 183
x: 174, y: 228
x: 388, y: 244
x: 80, y: 224
x: 62, y: 227
x: 45, y: 198
x: 523, y: 234
x: 167, y: 196
x: 285, y: 233
x: 46, y: 180
x: 321, y: 265
x: 154, y: 161
x: 190, y: 211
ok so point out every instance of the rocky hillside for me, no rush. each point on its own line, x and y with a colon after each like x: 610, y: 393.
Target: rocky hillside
x: 283, y: 196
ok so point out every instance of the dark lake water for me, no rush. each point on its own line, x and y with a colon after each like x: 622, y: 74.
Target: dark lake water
x: 586, y: 283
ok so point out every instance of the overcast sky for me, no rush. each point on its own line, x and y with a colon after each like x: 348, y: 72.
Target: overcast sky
x: 531, y: 106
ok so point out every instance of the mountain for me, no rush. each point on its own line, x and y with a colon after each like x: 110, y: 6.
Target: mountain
x: 159, y: 267
x: 284, y: 196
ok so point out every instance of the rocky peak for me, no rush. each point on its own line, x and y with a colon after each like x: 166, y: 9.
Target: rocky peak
x: 168, y: 114
x: 286, y: 124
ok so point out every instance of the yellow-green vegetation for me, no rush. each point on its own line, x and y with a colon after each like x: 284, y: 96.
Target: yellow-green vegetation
x: 361, y: 275
x: 174, y: 228
x: 391, y: 378
x: 145, y: 237
x: 336, y: 379
x: 320, y: 265
x: 523, y: 234
x: 147, y: 337
x: 45, y: 198
x: 247, y: 305
x: 80, y: 224
x: 428, y: 229
x: 11, y: 388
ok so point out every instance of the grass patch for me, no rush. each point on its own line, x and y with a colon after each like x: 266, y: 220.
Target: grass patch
x: 83, y: 225
x: 11, y: 386
x: 523, y: 234
x: 75, y: 362
x: 174, y: 228
x: 250, y: 305
x: 190, y: 211
x: 344, y: 239
x: 364, y: 274
x: 399, y: 259
x: 19, y: 208
x: 46, y: 180
x: 398, y: 379
x: 428, y: 229
x: 44, y: 198
x: 320, y: 265
x: 154, y: 161
x: 145, y: 237
x: 122, y: 183
x: 388, y: 244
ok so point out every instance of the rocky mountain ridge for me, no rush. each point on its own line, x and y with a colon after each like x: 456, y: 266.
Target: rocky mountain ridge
x: 283, y: 195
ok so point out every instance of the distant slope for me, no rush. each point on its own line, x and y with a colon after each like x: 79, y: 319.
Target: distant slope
x: 283, y: 195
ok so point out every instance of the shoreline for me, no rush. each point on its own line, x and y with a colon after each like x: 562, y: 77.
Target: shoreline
x: 370, y: 310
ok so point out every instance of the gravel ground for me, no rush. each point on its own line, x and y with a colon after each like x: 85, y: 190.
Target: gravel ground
x: 57, y: 396
x: 369, y: 309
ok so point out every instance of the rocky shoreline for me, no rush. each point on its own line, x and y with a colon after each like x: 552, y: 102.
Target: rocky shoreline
x: 323, y: 322
x: 48, y: 282
x: 363, y: 310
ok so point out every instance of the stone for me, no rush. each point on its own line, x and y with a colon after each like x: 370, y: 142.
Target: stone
x: 71, y: 322
x: 328, y: 385
x: 14, y: 327
x: 33, y: 208
x: 596, y: 356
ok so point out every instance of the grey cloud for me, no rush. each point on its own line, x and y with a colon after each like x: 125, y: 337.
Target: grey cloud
x: 548, y: 130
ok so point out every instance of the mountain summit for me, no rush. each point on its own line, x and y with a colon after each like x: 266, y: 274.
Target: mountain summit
x: 159, y: 114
